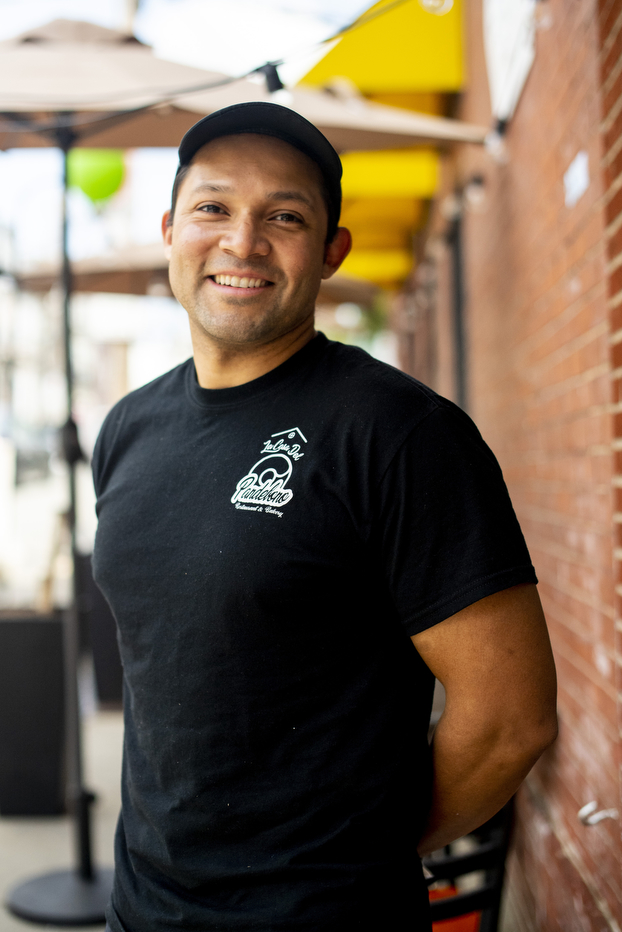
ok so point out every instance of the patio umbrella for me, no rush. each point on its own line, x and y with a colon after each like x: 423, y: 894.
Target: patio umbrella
x: 70, y: 84
x: 74, y: 83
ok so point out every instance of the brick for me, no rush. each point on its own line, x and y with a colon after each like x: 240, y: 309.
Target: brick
x: 612, y: 122
x: 613, y: 158
x: 610, y: 26
x: 614, y: 243
x: 614, y: 206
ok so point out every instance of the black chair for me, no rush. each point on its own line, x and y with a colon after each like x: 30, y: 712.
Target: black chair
x: 32, y: 714
x: 488, y: 855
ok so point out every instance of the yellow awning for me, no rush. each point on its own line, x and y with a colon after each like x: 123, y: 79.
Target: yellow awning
x: 379, y: 222
x: 406, y: 57
x: 381, y: 266
x: 407, y: 49
x: 390, y: 173
x: 382, y: 231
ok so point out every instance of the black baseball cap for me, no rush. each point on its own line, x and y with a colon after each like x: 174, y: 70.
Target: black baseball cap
x: 269, y: 119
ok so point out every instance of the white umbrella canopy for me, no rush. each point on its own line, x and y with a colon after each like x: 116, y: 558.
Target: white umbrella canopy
x: 78, y: 73
x: 111, y: 90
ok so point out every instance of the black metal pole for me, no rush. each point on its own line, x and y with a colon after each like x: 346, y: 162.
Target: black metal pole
x: 79, y: 799
x: 79, y: 896
x: 458, y: 302
x: 66, y: 140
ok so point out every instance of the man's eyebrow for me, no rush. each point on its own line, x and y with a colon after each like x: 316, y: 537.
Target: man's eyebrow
x: 291, y: 196
x: 272, y: 196
x: 208, y: 186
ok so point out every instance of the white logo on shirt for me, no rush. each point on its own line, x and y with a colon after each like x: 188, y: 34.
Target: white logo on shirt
x: 265, y: 484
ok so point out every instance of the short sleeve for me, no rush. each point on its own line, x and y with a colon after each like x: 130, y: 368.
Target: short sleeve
x: 446, y: 528
x: 104, y: 445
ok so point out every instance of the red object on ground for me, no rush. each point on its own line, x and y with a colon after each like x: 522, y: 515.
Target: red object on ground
x: 467, y: 923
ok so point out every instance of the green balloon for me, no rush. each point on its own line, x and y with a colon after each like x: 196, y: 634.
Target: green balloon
x: 97, y: 172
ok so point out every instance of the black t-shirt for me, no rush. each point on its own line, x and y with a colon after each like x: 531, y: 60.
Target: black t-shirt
x: 267, y: 550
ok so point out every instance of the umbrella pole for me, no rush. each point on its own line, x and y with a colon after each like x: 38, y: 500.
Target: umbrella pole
x: 79, y: 798
x: 79, y: 896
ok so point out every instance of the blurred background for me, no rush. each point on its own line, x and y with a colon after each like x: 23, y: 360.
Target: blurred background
x: 482, y: 151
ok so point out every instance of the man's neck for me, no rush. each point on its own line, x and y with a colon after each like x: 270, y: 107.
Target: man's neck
x: 224, y: 366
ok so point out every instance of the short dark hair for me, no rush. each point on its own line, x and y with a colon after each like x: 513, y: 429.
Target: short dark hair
x: 181, y: 173
x: 333, y: 221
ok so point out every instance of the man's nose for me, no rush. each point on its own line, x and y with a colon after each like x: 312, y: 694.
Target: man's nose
x: 244, y: 238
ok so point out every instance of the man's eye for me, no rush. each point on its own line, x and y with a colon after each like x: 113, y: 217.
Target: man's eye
x: 289, y: 218
x: 211, y: 208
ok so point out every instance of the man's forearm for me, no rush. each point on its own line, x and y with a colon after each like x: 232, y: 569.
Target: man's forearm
x: 494, y: 659
x: 475, y: 773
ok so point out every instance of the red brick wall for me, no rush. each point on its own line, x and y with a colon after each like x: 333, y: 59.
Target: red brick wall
x: 610, y: 32
x: 544, y: 292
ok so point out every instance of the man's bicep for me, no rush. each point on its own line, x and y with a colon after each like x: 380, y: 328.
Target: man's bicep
x: 494, y: 659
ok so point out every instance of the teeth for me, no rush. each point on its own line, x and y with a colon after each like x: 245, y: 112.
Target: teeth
x: 236, y: 282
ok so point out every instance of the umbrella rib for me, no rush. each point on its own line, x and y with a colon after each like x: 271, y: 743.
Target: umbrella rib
x: 162, y: 96
x: 18, y: 123
x: 111, y: 119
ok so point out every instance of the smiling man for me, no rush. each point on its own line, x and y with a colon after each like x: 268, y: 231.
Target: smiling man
x: 247, y: 251
x: 295, y: 539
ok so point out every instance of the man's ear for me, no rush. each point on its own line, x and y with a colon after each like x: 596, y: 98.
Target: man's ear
x: 167, y: 233
x: 336, y: 251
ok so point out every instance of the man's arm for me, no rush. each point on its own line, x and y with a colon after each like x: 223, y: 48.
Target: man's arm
x: 494, y: 660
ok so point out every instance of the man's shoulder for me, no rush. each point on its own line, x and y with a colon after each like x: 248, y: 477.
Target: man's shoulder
x: 371, y: 385
x: 384, y: 406
x: 162, y: 390
x: 142, y: 408
x: 158, y: 396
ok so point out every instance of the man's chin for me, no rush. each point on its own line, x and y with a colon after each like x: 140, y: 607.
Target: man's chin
x: 245, y: 333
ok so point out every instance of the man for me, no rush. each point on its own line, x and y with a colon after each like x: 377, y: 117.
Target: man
x: 295, y: 539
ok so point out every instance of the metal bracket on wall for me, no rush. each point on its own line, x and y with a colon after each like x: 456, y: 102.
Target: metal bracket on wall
x: 589, y: 816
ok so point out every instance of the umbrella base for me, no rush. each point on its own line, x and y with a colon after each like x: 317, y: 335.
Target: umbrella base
x: 62, y: 898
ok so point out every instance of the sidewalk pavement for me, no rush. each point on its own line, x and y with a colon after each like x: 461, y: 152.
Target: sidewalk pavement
x: 30, y: 846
